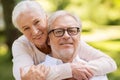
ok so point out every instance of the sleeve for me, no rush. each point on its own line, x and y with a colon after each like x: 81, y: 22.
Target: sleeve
x: 60, y: 72
x: 22, y: 59
x: 99, y: 62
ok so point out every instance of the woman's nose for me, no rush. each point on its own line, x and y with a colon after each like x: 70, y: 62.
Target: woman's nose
x: 34, y: 30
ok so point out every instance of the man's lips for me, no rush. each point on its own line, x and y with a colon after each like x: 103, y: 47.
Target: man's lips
x: 66, y: 43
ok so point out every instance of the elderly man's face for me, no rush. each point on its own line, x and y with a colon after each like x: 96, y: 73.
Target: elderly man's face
x: 64, y: 46
x: 33, y: 25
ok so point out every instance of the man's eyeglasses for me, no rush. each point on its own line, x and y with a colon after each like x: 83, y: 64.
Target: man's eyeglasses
x: 60, y: 31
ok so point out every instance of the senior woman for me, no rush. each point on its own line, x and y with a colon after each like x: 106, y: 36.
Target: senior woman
x: 30, y: 49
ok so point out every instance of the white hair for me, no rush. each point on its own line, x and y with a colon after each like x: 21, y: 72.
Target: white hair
x: 59, y: 13
x: 22, y: 7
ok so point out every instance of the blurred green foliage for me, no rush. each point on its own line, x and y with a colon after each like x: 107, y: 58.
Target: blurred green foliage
x: 103, y: 12
x: 112, y: 48
x: 97, y: 17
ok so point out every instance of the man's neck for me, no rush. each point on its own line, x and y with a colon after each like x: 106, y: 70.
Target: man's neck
x: 64, y: 60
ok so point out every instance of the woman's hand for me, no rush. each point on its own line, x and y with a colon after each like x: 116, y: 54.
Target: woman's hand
x: 81, y: 71
x: 38, y: 72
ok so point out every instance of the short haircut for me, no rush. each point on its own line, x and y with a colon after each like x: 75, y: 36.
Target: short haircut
x: 22, y: 7
x: 59, y: 13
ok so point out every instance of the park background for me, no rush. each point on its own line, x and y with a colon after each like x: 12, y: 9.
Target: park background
x: 100, y: 20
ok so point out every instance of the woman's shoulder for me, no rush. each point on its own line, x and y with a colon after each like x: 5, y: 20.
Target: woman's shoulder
x: 22, y: 40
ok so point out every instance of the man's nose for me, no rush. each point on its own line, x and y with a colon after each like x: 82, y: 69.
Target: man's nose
x: 34, y: 30
x: 66, y: 35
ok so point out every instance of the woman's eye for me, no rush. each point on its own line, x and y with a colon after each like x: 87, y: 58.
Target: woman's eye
x: 26, y: 28
x: 37, y: 22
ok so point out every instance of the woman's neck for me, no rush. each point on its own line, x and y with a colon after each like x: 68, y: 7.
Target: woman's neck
x: 45, y: 49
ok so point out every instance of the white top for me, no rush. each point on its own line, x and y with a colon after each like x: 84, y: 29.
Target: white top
x: 26, y: 54
x: 50, y: 61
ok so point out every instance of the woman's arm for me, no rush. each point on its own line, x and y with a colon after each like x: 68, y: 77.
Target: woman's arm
x: 22, y: 59
x: 99, y: 62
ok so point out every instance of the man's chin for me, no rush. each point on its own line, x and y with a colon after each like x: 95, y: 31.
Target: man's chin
x: 67, y: 52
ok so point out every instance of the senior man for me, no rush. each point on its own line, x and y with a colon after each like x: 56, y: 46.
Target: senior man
x: 65, y: 42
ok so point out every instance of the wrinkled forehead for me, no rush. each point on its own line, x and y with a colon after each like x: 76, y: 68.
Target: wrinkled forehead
x: 31, y: 12
x: 28, y: 12
x: 28, y: 16
x: 65, y: 21
x: 35, y: 10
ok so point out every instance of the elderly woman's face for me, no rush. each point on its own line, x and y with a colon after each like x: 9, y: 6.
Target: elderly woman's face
x: 34, y: 26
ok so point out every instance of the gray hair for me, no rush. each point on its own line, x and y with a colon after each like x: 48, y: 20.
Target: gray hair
x: 59, y: 13
x: 22, y: 7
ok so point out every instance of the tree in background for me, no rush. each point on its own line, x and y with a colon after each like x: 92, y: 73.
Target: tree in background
x: 10, y: 32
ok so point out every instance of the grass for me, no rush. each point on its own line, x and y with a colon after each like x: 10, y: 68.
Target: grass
x: 6, y: 67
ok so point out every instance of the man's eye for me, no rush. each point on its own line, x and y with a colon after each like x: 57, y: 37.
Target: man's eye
x: 58, y: 31
x: 72, y: 31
